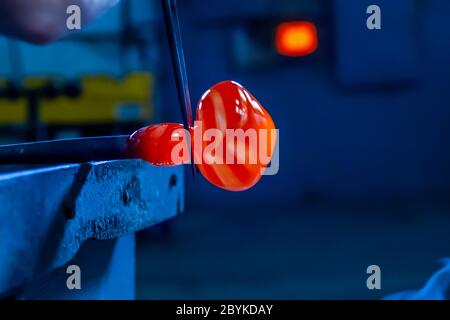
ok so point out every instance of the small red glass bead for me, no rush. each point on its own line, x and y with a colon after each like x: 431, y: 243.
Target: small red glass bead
x: 155, y: 144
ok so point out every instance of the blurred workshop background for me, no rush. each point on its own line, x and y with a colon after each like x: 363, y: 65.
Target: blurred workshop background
x: 364, y: 119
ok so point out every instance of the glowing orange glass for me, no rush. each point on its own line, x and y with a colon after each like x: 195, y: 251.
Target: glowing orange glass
x: 225, y: 106
x: 296, y: 39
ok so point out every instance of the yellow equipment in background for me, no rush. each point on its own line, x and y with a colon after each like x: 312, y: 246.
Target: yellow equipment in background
x: 104, y: 100
x: 13, y: 112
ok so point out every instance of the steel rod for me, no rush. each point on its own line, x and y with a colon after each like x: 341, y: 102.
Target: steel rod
x: 65, y: 151
x: 179, y: 64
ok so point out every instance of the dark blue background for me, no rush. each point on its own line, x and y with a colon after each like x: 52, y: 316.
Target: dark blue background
x: 364, y: 148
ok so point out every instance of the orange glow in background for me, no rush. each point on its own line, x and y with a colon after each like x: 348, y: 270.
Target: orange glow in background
x: 296, y: 39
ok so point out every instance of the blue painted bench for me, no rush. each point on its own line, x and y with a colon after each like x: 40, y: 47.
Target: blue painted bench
x: 84, y: 215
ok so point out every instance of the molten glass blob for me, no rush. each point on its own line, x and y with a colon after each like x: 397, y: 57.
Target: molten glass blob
x: 238, y: 137
x: 233, y: 139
